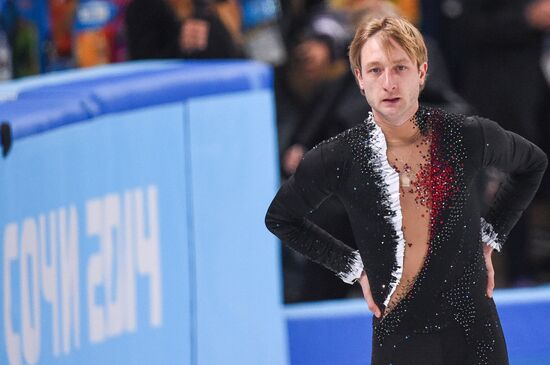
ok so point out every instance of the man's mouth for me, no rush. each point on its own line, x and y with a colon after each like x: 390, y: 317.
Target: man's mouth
x: 390, y: 100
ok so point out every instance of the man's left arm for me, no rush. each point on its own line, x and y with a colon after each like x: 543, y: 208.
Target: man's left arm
x: 524, y: 163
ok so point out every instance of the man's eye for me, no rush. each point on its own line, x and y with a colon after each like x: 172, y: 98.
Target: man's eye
x: 375, y: 70
x: 401, y: 67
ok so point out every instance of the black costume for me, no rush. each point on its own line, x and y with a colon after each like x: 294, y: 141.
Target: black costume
x: 449, y: 293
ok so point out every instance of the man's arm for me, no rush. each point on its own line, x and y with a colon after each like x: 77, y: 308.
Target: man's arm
x: 316, y: 178
x: 524, y: 163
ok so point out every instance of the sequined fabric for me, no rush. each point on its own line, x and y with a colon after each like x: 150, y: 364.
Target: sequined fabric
x: 450, y: 286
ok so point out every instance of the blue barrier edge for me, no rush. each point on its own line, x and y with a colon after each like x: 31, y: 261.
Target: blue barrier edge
x: 236, y: 75
x: 10, y: 90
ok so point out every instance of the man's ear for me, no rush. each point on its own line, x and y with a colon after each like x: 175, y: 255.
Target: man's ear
x: 359, y: 79
x: 358, y: 76
x: 423, y: 71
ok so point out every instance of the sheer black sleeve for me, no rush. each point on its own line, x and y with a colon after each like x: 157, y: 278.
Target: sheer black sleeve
x: 317, y: 177
x: 524, y: 163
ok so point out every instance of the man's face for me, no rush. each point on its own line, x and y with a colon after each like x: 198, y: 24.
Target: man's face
x: 391, y: 81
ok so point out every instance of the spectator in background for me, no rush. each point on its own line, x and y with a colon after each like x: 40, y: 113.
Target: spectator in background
x: 295, y: 15
x: 304, y: 97
x: 440, y: 21
x: 305, y: 87
x: 183, y: 29
x: 20, y: 42
x: 62, y: 19
x: 504, y: 42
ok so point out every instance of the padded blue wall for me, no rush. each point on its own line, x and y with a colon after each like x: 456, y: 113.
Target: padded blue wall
x: 131, y: 217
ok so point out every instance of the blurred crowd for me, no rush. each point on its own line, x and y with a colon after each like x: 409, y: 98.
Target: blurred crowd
x: 486, y: 57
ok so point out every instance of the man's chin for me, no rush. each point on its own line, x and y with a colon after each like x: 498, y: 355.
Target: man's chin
x: 390, y: 110
x: 391, y: 115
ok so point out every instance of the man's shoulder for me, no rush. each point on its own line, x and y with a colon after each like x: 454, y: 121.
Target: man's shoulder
x: 435, y: 116
x: 343, y: 139
x: 449, y: 124
x: 459, y: 130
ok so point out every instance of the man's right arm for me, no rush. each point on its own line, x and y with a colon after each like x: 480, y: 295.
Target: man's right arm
x: 317, y: 177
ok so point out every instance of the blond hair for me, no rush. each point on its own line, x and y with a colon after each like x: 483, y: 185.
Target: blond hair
x: 390, y: 28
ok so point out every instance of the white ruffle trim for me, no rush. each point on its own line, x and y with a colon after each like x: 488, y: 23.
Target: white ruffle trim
x: 489, y: 236
x: 391, y: 190
x: 355, y: 269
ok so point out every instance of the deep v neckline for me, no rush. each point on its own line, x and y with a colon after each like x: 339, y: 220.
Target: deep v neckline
x: 392, y: 191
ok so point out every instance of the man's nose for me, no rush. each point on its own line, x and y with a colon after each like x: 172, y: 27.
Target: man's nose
x: 388, y: 81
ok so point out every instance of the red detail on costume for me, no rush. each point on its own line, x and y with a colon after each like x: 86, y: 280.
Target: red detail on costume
x: 442, y: 183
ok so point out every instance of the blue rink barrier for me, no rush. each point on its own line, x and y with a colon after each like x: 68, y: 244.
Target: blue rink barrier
x: 131, y: 217
x: 339, y: 332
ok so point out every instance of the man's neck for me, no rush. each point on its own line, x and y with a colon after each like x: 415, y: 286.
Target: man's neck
x: 400, y: 134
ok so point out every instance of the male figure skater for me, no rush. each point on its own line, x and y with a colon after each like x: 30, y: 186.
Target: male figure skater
x: 407, y: 177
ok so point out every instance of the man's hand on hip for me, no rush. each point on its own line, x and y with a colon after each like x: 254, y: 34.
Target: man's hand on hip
x: 487, y: 252
x: 364, y: 281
